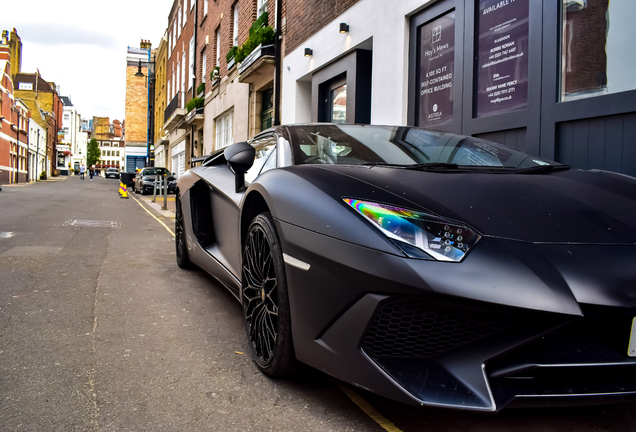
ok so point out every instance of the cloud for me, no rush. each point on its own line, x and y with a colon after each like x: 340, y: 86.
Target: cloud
x: 54, y: 34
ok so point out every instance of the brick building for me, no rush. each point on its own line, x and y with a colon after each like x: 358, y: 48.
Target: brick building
x: 14, y: 114
x: 181, y: 52
x: 238, y: 100
x: 8, y: 130
x: 160, y: 139
x: 136, y: 111
x: 41, y: 97
x: 110, y: 139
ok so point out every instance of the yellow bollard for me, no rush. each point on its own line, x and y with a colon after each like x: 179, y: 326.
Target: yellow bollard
x: 124, y: 192
x: 120, y: 188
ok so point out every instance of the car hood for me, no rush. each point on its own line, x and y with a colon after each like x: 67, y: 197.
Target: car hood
x: 153, y: 178
x: 574, y: 206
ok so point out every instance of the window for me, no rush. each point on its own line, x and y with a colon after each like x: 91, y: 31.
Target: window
x: 179, y: 23
x: 594, y: 58
x: 192, y: 4
x: 261, y: 7
x: 205, y: 8
x: 204, y: 66
x: 224, y: 130
x: 183, y: 80
x: 66, y: 117
x: 117, y: 153
x: 185, y: 13
x: 235, y: 25
x: 265, y: 148
x: 191, y: 63
x: 218, y: 47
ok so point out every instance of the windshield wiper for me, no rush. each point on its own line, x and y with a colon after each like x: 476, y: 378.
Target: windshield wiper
x: 542, y: 169
x: 424, y: 166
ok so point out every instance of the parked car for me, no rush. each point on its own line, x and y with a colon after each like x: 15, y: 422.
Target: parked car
x: 431, y: 268
x: 172, y: 186
x: 112, y: 172
x: 145, y: 179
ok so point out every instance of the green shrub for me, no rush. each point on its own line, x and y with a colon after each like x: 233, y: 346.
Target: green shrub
x: 194, y: 103
x: 230, y: 55
x: 212, y: 77
x: 201, y: 88
x: 260, y: 36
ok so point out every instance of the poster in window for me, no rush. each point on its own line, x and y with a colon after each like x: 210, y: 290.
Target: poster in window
x: 436, y: 72
x: 502, y: 63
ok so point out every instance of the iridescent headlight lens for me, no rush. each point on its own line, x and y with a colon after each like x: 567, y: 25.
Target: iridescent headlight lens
x: 415, y: 232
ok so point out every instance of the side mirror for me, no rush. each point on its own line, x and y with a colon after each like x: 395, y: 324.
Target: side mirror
x: 240, y: 157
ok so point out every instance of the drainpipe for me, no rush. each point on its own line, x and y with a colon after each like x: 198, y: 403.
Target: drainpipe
x: 277, y: 62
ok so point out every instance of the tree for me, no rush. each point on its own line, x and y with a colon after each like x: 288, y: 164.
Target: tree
x: 93, y: 152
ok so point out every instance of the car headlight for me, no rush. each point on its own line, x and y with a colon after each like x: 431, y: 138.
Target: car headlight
x: 419, y: 235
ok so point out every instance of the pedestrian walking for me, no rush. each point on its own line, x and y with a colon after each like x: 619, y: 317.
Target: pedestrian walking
x: 82, y: 172
x: 91, y: 172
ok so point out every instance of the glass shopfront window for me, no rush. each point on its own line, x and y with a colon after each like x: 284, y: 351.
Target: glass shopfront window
x: 597, y: 52
x: 436, y: 68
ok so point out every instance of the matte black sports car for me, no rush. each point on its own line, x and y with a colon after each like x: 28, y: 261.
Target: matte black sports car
x: 430, y: 268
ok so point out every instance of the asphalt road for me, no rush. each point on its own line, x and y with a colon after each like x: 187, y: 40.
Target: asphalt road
x: 100, y: 330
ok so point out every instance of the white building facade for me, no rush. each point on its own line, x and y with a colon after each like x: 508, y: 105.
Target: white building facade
x: 37, y: 151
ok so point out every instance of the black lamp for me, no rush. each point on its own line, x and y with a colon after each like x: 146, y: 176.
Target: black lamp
x: 344, y: 28
x: 139, y: 72
x: 308, y: 52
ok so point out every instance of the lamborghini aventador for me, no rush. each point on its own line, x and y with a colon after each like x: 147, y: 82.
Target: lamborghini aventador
x: 431, y: 268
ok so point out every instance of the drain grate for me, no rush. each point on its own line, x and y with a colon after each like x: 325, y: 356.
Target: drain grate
x: 91, y: 223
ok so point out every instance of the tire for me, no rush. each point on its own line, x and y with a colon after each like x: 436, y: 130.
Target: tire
x: 266, y: 301
x: 181, y: 248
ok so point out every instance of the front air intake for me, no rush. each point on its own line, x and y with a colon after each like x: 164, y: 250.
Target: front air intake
x: 418, y: 327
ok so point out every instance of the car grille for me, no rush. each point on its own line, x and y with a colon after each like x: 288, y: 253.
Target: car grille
x: 418, y: 327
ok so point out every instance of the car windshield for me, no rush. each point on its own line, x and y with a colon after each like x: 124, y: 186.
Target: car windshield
x: 112, y: 170
x: 155, y: 171
x: 402, y: 146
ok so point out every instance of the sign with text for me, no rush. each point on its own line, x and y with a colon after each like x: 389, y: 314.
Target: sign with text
x: 436, y: 71
x: 502, y: 65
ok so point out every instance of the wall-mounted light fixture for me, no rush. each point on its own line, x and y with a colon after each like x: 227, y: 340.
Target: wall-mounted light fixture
x: 308, y: 52
x: 139, y: 72
x: 344, y: 28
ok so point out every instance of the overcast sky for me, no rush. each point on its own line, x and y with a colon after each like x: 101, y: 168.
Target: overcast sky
x: 81, y: 45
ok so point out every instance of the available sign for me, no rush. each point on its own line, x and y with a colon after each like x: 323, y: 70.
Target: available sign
x: 436, y: 71
x: 502, y: 65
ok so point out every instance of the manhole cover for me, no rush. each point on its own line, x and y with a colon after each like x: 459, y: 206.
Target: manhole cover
x: 91, y: 223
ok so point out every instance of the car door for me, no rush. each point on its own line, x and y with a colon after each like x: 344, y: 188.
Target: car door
x: 225, y: 206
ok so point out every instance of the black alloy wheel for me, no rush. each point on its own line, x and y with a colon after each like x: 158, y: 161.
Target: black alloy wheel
x: 181, y: 248
x: 265, y: 299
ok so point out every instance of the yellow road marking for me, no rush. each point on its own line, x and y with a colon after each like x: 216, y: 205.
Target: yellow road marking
x: 368, y: 409
x: 148, y: 211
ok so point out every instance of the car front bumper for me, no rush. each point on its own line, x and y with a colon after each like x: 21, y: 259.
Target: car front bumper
x: 495, y: 330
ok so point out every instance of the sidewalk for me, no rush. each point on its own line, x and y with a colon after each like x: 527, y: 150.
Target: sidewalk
x: 147, y: 199
x: 51, y: 179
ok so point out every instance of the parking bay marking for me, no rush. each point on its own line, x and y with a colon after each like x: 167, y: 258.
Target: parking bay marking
x: 351, y: 393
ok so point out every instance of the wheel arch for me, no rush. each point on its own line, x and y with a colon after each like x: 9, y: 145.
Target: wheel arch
x: 253, y: 205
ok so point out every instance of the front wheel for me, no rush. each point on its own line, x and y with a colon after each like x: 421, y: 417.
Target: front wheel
x: 181, y: 248
x: 266, y: 301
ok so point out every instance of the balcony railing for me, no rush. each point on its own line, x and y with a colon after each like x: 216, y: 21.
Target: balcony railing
x: 172, y: 107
